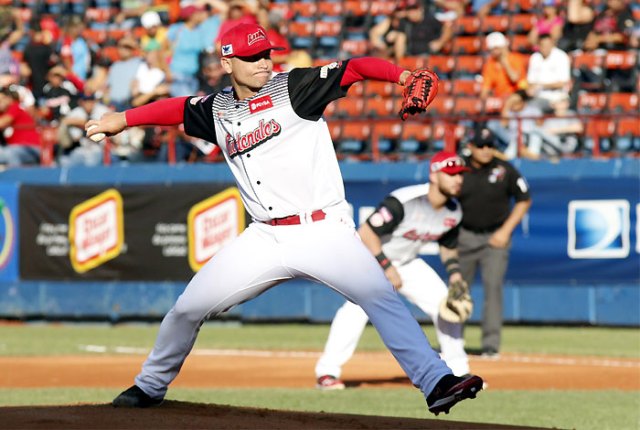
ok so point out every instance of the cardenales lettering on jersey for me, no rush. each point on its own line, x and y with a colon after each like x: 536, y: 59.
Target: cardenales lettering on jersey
x: 242, y: 143
x: 428, y: 237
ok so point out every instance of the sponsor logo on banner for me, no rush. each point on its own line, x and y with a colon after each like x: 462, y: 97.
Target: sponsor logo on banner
x: 7, y: 233
x: 212, y: 224
x: 598, y: 229
x: 96, y: 231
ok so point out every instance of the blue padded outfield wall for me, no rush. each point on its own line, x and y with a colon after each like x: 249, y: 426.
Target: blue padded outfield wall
x: 575, y: 258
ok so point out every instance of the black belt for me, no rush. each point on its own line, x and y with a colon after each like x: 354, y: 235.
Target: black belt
x: 481, y: 230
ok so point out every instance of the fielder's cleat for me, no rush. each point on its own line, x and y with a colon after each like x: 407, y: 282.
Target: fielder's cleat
x: 328, y: 382
x: 134, y: 397
x: 452, y: 389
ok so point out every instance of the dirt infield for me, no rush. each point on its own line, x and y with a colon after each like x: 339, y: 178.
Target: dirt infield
x: 237, y: 369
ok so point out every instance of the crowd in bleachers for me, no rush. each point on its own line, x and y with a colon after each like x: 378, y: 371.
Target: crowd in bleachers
x: 535, y: 71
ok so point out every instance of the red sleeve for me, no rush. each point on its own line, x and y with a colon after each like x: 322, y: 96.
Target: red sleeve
x: 76, y: 81
x: 163, y: 112
x: 377, y: 69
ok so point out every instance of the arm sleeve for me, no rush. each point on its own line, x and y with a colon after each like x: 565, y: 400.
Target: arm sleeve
x: 450, y: 239
x: 377, y: 69
x: 387, y: 217
x: 163, y: 112
x: 518, y: 186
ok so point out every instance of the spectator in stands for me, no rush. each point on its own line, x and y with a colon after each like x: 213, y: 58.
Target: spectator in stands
x: 236, y: 13
x: 519, y: 116
x: 384, y: 36
x: 38, y: 57
x: 504, y: 72
x: 421, y: 32
x: 187, y: 42
x: 577, y: 26
x: 59, y: 95
x: 79, y: 150
x: 155, y: 34
x: 74, y: 50
x: 561, y: 130
x: 149, y: 83
x: 11, y: 31
x: 549, y: 73
x: 214, y: 78
x: 611, y: 28
x: 549, y: 24
x: 483, y: 8
x: 122, y: 74
x: 25, y: 96
x: 129, y: 13
x: 19, y: 132
x: 276, y: 32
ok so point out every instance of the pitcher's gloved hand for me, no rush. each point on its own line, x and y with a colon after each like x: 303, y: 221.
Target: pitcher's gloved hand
x: 420, y: 89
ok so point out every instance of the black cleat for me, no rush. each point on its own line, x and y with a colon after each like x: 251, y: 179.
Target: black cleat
x: 134, y: 397
x: 452, y: 389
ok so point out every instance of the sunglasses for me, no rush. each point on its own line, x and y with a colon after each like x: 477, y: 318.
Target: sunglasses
x: 455, y: 162
x: 481, y: 145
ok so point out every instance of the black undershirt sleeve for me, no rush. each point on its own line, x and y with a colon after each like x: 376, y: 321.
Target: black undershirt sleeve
x: 387, y: 216
x: 198, y: 118
x: 450, y: 238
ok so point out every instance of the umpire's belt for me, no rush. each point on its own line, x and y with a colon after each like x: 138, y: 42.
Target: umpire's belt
x: 302, y: 218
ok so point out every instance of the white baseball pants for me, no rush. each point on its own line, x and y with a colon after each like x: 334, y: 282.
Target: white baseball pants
x: 422, y: 286
x: 328, y: 252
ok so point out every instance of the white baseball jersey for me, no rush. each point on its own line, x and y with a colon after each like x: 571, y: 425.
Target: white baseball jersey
x: 405, y: 221
x: 283, y: 165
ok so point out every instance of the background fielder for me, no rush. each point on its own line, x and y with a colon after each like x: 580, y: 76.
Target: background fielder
x: 405, y: 220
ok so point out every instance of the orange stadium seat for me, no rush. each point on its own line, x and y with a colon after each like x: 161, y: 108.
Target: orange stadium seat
x: 466, y: 45
x: 355, y: 48
x: 95, y: 14
x: 467, y: 25
x: 383, y: 7
x: 441, y: 64
x: 520, y: 43
x: 467, y: 106
x: 356, y: 7
x: 350, y: 107
x: 384, y: 134
x: 357, y: 133
x: 493, y: 23
x: 95, y: 36
x: 466, y: 87
x: 335, y: 130
x: 522, y: 5
x: 493, y: 105
x: 380, y: 107
x: 599, y: 133
x: 357, y: 89
x: 412, y: 63
x: 441, y: 106
x: 379, y: 88
x: 587, y: 60
x: 620, y: 60
x: 330, y: 110
x: 591, y: 102
x: 522, y: 23
x: 623, y: 102
x: 330, y: 8
x: 445, y: 87
x: 300, y: 29
x: 327, y: 28
x: 414, y: 137
x: 629, y: 127
x: 469, y: 64
x: 303, y: 8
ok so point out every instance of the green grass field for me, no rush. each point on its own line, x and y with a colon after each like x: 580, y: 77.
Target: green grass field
x: 597, y: 410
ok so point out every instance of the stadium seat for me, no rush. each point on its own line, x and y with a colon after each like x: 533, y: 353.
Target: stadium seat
x: 467, y: 106
x: 599, y: 135
x: 412, y: 63
x: 98, y: 37
x: 326, y: 28
x: 414, y: 137
x: 493, y: 105
x: 330, y: 110
x: 620, y: 60
x: 441, y: 106
x: 441, y: 64
x: 304, y: 9
x: 587, y: 60
x: 493, y: 23
x: 445, y: 87
x: 330, y: 8
x: 300, y: 29
x: 466, y: 45
x: 468, y: 66
x: 355, y: 48
x: 520, y: 43
x: 591, y: 102
x: 349, y: 107
x: 335, y: 130
x: 628, y: 127
x: 385, y: 135
x: 466, y: 87
x: 382, y: 107
x: 96, y: 14
x: 382, y: 8
x: 354, y: 136
x: 522, y: 23
x: 379, y: 88
x: 110, y: 53
x: 356, y: 7
x: 467, y: 25
x: 623, y: 102
x: 519, y: 6
x: 357, y: 89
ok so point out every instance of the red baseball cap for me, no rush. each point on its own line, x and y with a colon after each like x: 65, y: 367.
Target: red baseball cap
x: 448, y: 162
x: 245, y: 40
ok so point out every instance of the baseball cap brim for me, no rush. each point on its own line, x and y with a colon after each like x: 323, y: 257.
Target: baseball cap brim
x: 254, y: 50
x: 454, y: 170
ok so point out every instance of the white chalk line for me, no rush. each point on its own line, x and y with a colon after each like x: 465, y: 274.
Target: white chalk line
x: 560, y: 361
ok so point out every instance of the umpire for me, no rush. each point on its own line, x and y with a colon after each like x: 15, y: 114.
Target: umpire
x: 488, y: 220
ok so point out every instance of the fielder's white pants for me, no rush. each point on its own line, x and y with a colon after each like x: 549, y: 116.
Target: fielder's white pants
x: 263, y: 256
x: 422, y: 286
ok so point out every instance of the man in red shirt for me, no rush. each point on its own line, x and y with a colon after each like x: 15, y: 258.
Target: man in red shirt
x: 20, y: 133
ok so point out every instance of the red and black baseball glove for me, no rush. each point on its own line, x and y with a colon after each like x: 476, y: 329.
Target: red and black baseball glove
x: 420, y: 88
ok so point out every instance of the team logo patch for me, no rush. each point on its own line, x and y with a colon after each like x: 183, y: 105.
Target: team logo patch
x: 450, y: 222
x: 387, y: 216
x: 256, y: 37
x: 497, y: 174
x: 227, y: 50
x: 376, y: 220
x: 194, y: 101
x: 260, y: 104
x: 324, y: 70
x: 598, y: 229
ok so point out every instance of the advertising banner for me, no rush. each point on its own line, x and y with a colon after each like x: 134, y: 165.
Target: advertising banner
x: 137, y: 232
x: 8, y: 232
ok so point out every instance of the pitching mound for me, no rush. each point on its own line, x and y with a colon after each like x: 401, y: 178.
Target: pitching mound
x: 175, y: 415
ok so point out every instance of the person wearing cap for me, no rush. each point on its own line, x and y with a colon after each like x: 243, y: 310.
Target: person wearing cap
x: 59, y: 95
x: 19, y: 131
x: 405, y: 221
x: 271, y: 132
x: 504, y: 71
x: 155, y: 34
x: 494, y: 198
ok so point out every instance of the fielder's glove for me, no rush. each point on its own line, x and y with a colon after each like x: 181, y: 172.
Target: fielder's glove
x: 457, y: 306
x: 420, y: 88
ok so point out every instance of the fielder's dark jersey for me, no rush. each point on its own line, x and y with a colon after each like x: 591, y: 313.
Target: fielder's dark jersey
x: 487, y: 193
x: 405, y: 221
x: 276, y: 143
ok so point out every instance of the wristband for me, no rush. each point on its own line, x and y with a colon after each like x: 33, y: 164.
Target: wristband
x: 384, y: 262
x: 452, y: 266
